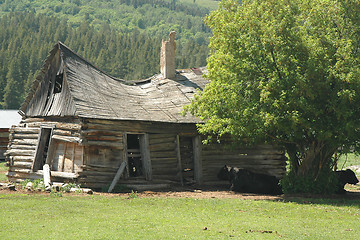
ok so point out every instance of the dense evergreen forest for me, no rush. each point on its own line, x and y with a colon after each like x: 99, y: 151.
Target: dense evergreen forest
x: 124, y: 45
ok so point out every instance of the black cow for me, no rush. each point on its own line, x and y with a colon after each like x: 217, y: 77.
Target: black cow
x: 243, y: 180
x: 344, y: 177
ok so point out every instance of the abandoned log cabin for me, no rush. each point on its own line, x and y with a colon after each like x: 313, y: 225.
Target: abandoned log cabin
x: 85, y: 124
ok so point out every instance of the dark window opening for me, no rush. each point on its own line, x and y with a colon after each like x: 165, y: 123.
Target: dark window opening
x: 134, y: 155
x: 59, y: 80
x: 42, y: 149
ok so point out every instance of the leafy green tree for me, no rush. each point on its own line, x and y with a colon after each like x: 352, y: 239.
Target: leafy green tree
x: 288, y: 73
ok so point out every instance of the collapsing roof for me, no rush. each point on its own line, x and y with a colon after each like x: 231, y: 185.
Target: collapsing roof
x: 70, y: 86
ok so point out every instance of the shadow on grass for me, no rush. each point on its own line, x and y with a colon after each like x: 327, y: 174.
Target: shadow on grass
x: 348, y: 199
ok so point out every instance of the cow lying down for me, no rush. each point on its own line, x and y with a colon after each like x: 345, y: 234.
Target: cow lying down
x: 344, y: 177
x: 243, y: 180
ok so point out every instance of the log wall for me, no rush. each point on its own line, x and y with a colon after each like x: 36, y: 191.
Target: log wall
x: 163, y: 157
x: 23, y: 142
x: 91, y: 151
x: 260, y: 159
x: 4, y: 140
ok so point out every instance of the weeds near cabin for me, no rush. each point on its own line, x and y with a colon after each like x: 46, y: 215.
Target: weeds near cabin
x: 54, y: 193
x: 39, y: 184
x: 133, y: 194
x: 67, y: 187
x: 24, y: 183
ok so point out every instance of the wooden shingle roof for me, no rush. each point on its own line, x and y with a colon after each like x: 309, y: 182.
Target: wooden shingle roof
x: 95, y: 94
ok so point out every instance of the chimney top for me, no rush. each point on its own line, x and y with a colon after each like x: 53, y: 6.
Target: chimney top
x: 167, y: 57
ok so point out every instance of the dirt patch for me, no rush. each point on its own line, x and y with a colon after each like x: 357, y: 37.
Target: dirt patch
x: 216, y: 192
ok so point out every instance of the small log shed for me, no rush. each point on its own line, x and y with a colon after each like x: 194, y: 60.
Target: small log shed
x: 85, y: 123
x: 7, y: 119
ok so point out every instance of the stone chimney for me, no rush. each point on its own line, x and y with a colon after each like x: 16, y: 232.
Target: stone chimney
x: 167, y: 57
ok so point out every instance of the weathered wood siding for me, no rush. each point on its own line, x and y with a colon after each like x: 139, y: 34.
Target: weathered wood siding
x: 261, y: 159
x: 163, y: 156
x: 4, y: 140
x: 100, y: 166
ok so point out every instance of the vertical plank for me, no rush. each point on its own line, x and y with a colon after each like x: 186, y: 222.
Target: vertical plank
x: 69, y: 156
x: 79, y: 158
x: 73, y: 159
x: 63, y: 158
x: 197, y: 160
x: 145, y: 155
x: 125, y: 156
x: 51, y: 153
x: 178, y: 156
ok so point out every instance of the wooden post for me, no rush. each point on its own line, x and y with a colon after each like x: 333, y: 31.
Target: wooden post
x: 47, y: 177
x: 178, y: 156
x: 125, y: 155
x: 197, y: 160
x: 117, y: 176
x: 145, y: 155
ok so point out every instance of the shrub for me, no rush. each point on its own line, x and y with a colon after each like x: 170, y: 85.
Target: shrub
x: 325, y: 183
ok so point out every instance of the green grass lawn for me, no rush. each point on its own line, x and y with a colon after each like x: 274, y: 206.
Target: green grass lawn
x: 113, y: 217
x: 348, y: 160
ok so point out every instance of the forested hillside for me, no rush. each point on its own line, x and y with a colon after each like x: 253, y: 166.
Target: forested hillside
x: 121, y: 37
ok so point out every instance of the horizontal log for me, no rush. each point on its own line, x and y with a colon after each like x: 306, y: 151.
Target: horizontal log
x: 161, y: 136
x: 24, y: 141
x: 67, y: 138
x: 30, y: 120
x: 23, y: 147
x: 165, y: 159
x: 24, y: 136
x: 19, y: 175
x: 242, y: 152
x: 65, y: 133
x: 153, y: 141
x: 167, y: 177
x: 117, y: 145
x: 88, y: 173
x: 241, y: 157
x: 97, y: 178
x: 22, y: 158
x: 26, y: 165
x: 58, y: 125
x: 235, y: 162
x: 4, y: 135
x: 134, y: 126
x: 167, y: 154
x: 19, y: 152
x: 67, y: 175
x: 163, y: 147
x: 25, y: 130
x: 119, y: 134
x: 19, y: 170
x: 100, y: 167
x: 165, y: 172
x: 104, y: 138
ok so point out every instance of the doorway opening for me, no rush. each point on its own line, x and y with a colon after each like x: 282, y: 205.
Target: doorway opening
x: 135, y: 163
x: 187, y: 159
x: 42, y: 149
